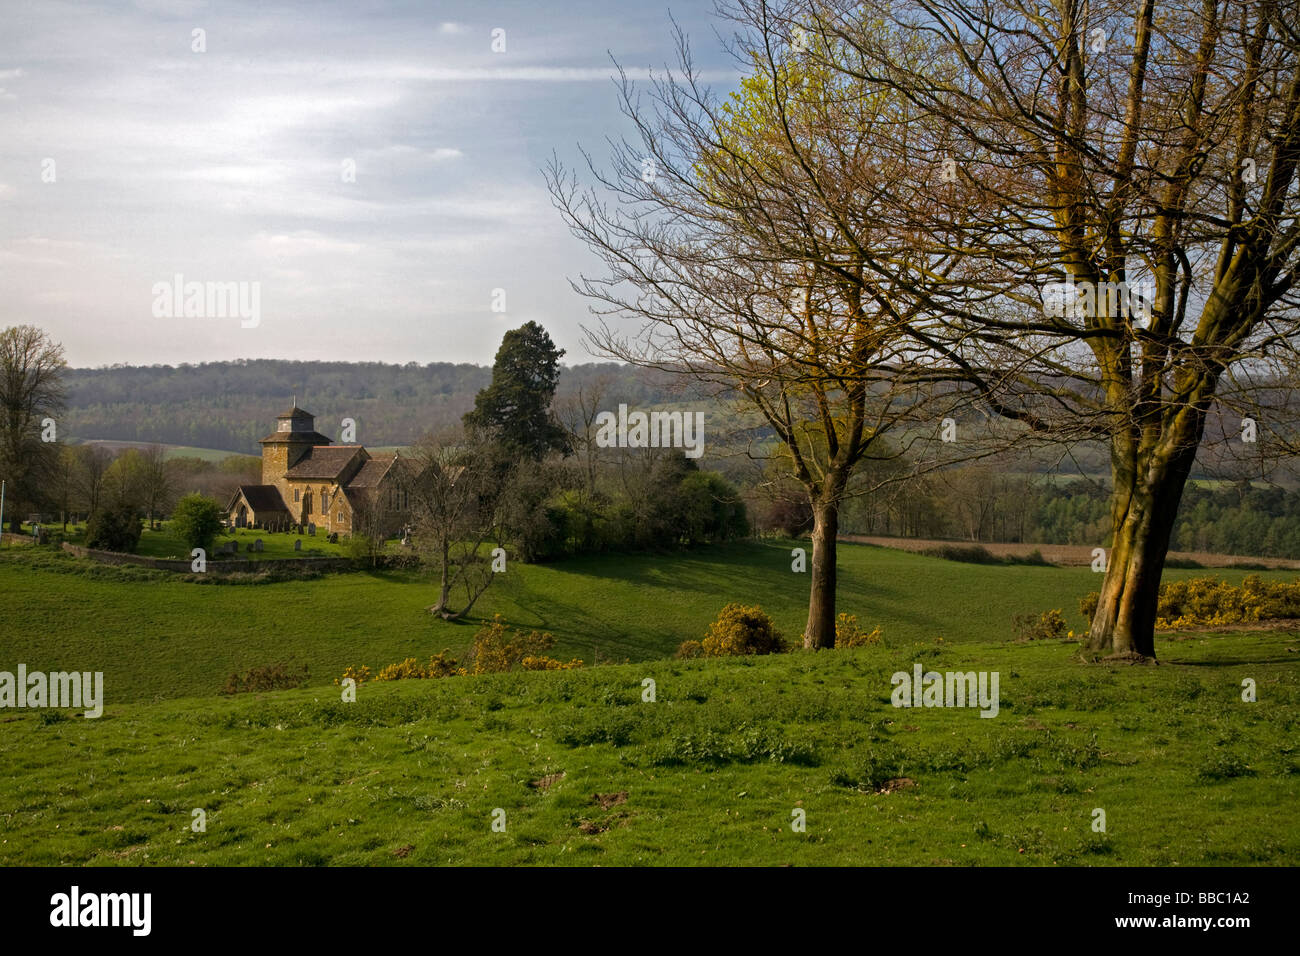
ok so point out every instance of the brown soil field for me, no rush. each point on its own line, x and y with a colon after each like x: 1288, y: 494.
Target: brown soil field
x: 1064, y: 554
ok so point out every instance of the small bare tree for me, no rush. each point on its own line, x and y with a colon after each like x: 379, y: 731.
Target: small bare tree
x: 456, y: 491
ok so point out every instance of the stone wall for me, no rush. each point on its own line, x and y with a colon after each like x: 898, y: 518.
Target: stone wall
x: 222, y: 566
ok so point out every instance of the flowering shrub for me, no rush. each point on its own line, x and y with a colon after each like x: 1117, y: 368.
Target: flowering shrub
x: 443, y: 664
x: 849, y: 634
x: 497, y: 650
x: 742, y: 629
x: 359, y: 674
x: 409, y: 669
x: 1048, y: 626
x: 1205, y: 602
x: 690, y: 650
x: 548, y: 664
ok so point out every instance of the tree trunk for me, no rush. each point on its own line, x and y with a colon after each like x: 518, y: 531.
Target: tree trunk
x: 444, y: 583
x: 820, y: 630
x: 1144, y: 506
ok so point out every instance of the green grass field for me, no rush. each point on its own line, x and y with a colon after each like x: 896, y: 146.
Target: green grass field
x: 711, y: 772
x: 156, y: 635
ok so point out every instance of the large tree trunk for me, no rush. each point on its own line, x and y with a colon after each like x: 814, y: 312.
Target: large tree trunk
x: 1144, y: 505
x: 820, y: 630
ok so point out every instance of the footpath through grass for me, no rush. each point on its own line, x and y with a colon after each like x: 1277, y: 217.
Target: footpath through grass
x: 714, y: 771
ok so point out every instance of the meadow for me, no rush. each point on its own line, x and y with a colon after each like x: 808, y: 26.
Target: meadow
x: 156, y: 634
x: 583, y: 769
x: 578, y: 768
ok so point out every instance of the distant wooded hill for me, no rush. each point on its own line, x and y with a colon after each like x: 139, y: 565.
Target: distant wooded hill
x: 230, y: 405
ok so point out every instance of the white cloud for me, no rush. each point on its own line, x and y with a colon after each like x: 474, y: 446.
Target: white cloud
x: 302, y: 243
x: 451, y: 28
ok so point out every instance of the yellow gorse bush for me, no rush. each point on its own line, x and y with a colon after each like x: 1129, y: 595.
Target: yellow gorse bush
x: 849, y: 634
x: 1206, y: 602
x: 359, y: 674
x: 496, y: 650
x: 742, y: 629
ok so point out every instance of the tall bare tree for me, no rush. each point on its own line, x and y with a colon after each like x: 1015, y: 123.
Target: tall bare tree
x: 744, y: 267
x: 157, y: 489
x: 1102, y: 208
x: 91, y: 477
x: 31, y: 390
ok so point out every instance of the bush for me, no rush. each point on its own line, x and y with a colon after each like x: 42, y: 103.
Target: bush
x: 1205, y: 602
x: 280, y: 676
x: 1223, y: 766
x: 548, y: 664
x: 197, y: 521
x: 1048, y: 626
x: 690, y: 650
x: 1088, y: 604
x: 409, y: 669
x: 848, y: 634
x: 742, y: 630
x: 497, y: 650
x: 359, y: 674
x: 114, y: 529
x: 443, y: 664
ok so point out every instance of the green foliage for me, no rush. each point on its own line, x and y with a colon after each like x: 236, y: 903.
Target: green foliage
x: 1223, y: 766
x: 515, y: 410
x: 197, y: 521
x: 711, y: 509
x: 114, y: 529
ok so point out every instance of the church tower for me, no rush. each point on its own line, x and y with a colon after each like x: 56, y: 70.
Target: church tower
x: 295, y: 434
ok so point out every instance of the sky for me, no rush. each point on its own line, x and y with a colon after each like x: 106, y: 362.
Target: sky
x: 319, y: 181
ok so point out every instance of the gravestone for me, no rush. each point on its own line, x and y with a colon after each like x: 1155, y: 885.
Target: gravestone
x: 297, y: 545
x: 257, y: 545
x: 311, y: 530
x: 249, y: 549
x: 334, y: 537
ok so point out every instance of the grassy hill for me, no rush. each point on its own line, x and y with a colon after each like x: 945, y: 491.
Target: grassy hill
x: 587, y: 772
x: 156, y: 635
x: 712, y: 772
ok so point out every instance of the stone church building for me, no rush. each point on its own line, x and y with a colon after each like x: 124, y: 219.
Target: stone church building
x: 308, y: 480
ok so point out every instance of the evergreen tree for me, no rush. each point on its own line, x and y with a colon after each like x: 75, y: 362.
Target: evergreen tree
x: 514, y: 411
